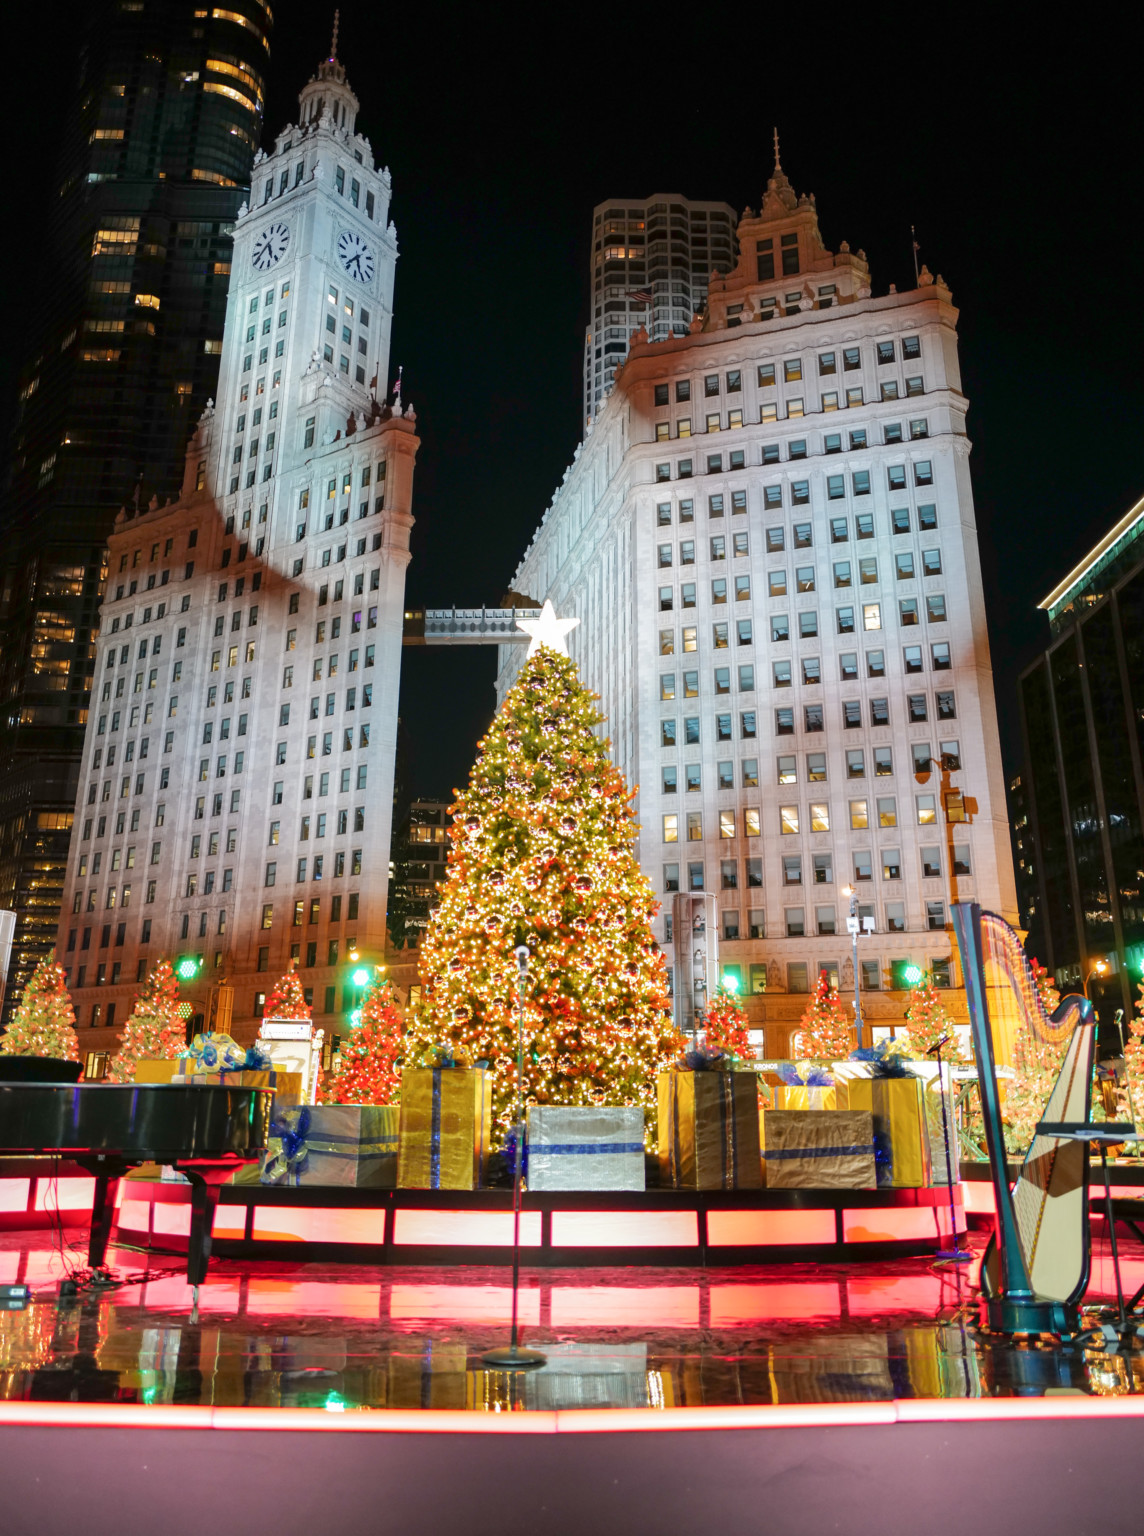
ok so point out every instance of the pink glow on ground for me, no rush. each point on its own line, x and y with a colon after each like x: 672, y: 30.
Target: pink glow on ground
x: 667, y: 1306
x: 737, y: 1304
x: 870, y: 1295
x: 466, y: 1229
x: 625, y: 1229
x: 312, y: 1298
x: 461, y: 1303
x: 727, y: 1228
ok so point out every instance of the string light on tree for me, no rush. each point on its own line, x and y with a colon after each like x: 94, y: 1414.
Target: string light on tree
x: 542, y: 855
x: 286, y: 999
x: 154, y: 1030
x: 928, y: 1020
x: 825, y: 1033
x: 368, y: 1074
x: 44, y: 1023
x: 725, y: 1025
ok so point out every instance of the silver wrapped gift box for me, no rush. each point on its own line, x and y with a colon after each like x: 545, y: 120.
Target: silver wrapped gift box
x: 589, y: 1149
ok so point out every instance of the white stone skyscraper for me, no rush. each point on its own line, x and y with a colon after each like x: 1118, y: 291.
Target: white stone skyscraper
x: 651, y: 262
x: 236, y: 787
x: 769, y: 538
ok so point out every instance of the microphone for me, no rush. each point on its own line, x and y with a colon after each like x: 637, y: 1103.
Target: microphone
x: 933, y: 1050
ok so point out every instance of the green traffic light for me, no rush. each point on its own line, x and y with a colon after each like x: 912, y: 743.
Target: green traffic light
x: 360, y: 977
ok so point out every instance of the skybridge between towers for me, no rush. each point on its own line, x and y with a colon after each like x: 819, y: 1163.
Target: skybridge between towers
x: 465, y: 626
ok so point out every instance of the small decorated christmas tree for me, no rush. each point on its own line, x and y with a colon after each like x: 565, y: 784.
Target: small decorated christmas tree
x: 725, y: 1025
x: 368, y: 1072
x: 927, y: 1022
x: 154, y: 1030
x: 825, y: 1031
x: 542, y: 855
x: 44, y: 1022
x: 285, y: 999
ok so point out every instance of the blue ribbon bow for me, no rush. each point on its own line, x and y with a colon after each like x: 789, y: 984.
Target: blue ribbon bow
x: 257, y: 1060
x: 703, y: 1060
x: 292, y: 1130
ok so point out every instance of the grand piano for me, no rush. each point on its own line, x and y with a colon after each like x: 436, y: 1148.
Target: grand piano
x: 108, y: 1128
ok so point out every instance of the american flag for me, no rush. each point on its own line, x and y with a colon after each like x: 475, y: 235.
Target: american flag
x: 640, y: 295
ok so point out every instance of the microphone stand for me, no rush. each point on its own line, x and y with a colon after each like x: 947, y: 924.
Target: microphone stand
x: 955, y: 1254
x: 514, y: 1358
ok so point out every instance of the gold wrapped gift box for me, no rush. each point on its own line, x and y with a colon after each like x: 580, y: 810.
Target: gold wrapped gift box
x: 818, y: 1149
x: 802, y: 1097
x: 709, y: 1129
x: 900, y: 1129
x: 446, y: 1121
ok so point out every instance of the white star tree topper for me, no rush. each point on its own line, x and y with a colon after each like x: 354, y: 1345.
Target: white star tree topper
x: 547, y: 630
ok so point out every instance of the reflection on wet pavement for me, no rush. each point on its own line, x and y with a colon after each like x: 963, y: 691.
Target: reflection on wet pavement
x: 355, y: 1337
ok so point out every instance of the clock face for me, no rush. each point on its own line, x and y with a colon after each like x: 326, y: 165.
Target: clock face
x: 270, y: 247
x: 355, y: 256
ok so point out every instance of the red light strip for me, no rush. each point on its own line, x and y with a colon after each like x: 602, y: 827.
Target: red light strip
x: 571, y: 1421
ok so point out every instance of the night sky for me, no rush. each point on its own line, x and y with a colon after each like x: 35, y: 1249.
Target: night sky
x: 1015, y: 157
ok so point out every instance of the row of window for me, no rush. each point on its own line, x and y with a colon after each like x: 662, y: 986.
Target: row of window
x: 873, y: 976
x: 748, y: 728
x: 819, y: 869
x: 791, y: 820
x: 740, y: 547
x: 906, y: 564
x: 917, y: 712
x: 786, y: 765
x: 811, y: 666
x: 850, y: 359
x: 824, y: 922
x: 802, y: 534
x: 731, y: 421
x: 319, y: 823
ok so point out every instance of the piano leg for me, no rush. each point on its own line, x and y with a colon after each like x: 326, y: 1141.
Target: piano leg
x: 206, y: 1185
x: 102, y: 1212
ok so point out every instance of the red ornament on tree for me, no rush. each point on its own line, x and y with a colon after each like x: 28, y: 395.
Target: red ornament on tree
x: 825, y: 1032
x: 154, y: 1030
x: 44, y: 1023
x: 725, y: 1025
x: 368, y: 1073
x: 285, y: 999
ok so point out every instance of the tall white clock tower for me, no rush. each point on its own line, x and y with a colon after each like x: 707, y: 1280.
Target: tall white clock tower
x: 237, y: 786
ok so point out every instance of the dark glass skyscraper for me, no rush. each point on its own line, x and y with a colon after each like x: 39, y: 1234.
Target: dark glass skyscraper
x: 1082, y: 710
x: 130, y: 286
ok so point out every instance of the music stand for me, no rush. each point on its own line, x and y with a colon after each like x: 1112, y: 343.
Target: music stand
x: 1105, y: 1133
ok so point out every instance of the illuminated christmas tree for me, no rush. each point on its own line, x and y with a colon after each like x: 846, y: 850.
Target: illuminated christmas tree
x: 1049, y: 995
x: 826, y: 1033
x: 44, y: 1023
x: 154, y: 1030
x: 542, y: 855
x: 725, y: 1025
x: 927, y: 1022
x: 286, y: 999
x: 368, y: 1073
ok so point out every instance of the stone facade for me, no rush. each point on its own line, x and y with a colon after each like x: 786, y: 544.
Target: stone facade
x: 237, y: 777
x: 769, y: 539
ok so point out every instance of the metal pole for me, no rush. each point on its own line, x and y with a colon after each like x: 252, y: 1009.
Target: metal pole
x: 853, y: 924
x: 955, y: 1252
x: 515, y: 1358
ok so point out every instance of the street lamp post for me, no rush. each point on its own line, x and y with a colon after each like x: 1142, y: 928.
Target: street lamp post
x: 853, y: 927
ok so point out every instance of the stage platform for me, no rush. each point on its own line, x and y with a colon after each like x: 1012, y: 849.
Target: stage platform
x: 399, y: 1226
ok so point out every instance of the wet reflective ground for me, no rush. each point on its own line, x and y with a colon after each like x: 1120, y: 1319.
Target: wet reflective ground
x: 357, y: 1337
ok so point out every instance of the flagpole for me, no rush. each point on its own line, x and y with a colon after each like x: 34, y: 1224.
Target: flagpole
x: 914, y: 244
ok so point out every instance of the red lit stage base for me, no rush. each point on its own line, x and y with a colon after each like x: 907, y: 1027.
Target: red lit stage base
x: 405, y: 1226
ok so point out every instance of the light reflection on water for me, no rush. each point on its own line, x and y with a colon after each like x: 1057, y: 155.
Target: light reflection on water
x: 353, y: 1338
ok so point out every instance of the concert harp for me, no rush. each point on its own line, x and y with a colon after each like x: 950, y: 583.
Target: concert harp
x: 1036, y: 1265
